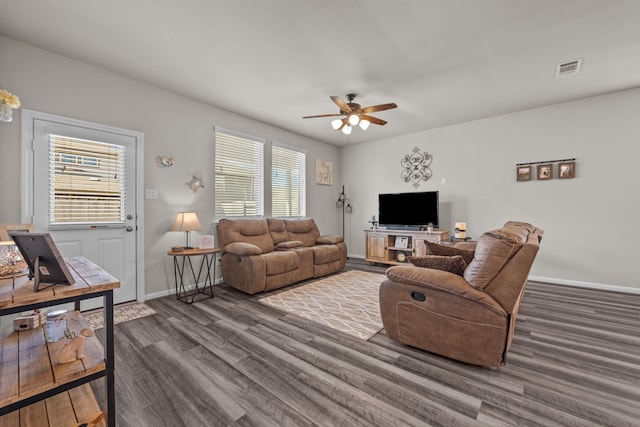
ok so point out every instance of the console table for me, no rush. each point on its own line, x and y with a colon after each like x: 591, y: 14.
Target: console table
x: 394, y: 246
x: 28, y: 364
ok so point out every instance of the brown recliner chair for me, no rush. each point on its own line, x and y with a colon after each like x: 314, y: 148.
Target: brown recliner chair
x: 470, y: 318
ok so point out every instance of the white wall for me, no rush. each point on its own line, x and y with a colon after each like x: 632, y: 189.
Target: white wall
x: 171, y: 124
x: 590, y: 222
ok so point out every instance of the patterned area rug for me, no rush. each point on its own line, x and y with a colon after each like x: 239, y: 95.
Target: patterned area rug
x: 121, y: 313
x: 347, y: 302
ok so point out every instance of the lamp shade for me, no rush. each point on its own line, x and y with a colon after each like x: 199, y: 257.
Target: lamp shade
x: 335, y: 124
x: 354, y: 119
x: 364, y: 124
x: 346, y: 129
x: 187, y: 221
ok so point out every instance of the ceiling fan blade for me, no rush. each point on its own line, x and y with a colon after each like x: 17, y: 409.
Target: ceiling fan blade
x: 380, y: 107
x: 340, y: 103
x: 323, y: 115
x: 373, y: 120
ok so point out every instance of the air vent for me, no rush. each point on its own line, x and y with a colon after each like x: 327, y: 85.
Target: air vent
x: 568, y: 68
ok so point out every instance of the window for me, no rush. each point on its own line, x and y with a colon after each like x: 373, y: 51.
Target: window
x: 239, y: 178
x: 287, y: 182
x: 86, y: 181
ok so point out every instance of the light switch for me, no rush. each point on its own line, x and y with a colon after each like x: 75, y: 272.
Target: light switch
x: 151, y: 194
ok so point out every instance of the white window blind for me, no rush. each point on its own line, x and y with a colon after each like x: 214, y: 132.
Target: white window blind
x: 86, y: 182
x: 288, y: 197
x: 239, y: 182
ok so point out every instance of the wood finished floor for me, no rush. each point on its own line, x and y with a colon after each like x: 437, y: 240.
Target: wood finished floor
x: 230, y: 361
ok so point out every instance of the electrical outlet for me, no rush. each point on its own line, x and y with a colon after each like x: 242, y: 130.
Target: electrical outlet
x: 151, y: 194
x: 443, y: 181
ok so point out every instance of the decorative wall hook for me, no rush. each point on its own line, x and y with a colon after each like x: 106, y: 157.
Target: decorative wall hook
x: 416, y: 167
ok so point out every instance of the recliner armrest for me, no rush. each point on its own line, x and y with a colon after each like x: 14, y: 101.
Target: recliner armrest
x: 242, y: 249
x: 441, y: 281
x: 329, y: 239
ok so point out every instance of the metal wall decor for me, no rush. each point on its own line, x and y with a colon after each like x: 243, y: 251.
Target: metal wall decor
x: 415, y: 167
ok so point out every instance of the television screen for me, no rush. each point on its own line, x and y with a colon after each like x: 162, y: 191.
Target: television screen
x: 408, y: 210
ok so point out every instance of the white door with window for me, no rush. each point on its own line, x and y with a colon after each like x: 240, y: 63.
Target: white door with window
x: 83, y: 192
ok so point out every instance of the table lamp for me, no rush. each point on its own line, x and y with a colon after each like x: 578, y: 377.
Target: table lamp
x: 187, y: 221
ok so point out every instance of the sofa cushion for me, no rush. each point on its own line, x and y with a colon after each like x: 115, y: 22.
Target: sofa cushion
x: 304, y: 230
x: 443, y: 250
x: 453, y: 264
x: 280, y: 262
x: 493, y: 250
x: 278, y: 230
x: 254, y: 231
x: 324, y: 254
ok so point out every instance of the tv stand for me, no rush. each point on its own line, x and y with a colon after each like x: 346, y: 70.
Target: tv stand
x: 387, y: 246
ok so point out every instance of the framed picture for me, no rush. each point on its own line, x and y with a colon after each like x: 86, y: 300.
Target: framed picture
x: 523, y: 173
x: 46, y: 265
x: 7, y: 229
x: 402, y: 242
x: 545, y: 171
x: 566, y: 170
x: 206, y: 241
x: 324, y: 172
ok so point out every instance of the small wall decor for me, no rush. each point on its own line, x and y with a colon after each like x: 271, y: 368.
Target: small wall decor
x: 523, y: 173
x: 164, y: 161
x: 324, y: 172
x: 545, y: 171
x: 195, y: 183
x: 566, y: 170
x: 416, y: 167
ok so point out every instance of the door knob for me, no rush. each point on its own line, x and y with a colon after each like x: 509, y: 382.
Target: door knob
x: 129, y: 228
x: 129, y: 216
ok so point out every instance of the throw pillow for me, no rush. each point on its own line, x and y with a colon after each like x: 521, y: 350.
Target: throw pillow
x: 436, y: 249
x: 453, y: 264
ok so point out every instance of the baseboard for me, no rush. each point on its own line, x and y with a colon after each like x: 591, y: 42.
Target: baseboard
x: 566, y: 282
x: 172, y: 291
x: 590, y: 285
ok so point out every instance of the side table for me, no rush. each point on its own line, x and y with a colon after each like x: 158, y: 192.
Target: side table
x: 182, y: 259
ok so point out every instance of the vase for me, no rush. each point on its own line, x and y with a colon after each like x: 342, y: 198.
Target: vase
x: 5, y: 113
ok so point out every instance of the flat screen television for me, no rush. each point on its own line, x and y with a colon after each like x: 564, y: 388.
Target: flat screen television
x: 412, y: 211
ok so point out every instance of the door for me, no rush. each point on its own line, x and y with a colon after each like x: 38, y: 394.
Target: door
x: 84, y: 194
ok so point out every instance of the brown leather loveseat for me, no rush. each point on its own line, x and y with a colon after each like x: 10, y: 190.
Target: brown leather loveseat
x: 264, y: 254
x: 469, y: 317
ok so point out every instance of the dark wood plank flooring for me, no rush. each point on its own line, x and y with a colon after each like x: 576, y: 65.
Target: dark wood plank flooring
x: 230, y: 361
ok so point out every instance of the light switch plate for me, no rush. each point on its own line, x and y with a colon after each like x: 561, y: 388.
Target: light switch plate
x: 151, y: 194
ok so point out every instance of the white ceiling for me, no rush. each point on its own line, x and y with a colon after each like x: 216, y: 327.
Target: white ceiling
x: 442, y: 61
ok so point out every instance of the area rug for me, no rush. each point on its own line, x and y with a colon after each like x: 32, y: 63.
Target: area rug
x: 347, y: 302
x: 121, y: 313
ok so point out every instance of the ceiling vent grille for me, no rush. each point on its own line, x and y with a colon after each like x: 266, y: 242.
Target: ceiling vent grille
x: 568, y: 68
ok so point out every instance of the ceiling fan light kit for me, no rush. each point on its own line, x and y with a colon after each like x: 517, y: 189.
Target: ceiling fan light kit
x: 354, y: 114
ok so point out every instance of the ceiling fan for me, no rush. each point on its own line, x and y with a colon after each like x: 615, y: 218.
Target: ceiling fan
x: 354, y: 114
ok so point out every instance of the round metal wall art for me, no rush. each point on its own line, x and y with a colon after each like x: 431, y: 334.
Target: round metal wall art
x: 416, y: 167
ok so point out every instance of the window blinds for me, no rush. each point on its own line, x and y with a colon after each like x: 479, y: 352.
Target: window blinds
x: 287, y: 182
x: 86, y: 181
x: 239, y: 178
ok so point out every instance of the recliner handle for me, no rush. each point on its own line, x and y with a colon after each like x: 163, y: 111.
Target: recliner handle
x: 418, y: 296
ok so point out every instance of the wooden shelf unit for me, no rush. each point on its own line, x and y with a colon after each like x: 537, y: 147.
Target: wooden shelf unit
x: 382, y: 246
x: 35, y: 390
